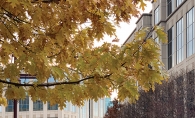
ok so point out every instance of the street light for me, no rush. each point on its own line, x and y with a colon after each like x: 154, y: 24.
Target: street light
x: 25, y: 76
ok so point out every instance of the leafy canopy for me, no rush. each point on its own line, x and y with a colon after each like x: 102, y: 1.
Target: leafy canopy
x: 55, y: 38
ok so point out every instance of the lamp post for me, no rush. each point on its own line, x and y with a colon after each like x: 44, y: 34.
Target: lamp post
x: 15, y: 108
x: 89, y: 108
x: 25, y: 76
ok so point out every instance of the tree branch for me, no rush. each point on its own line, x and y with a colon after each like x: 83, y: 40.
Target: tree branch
x: 46, y: 1
x: 12, y: 16
x: 51, y: 84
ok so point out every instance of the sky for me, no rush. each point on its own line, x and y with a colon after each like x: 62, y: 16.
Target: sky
x: 125, y: 29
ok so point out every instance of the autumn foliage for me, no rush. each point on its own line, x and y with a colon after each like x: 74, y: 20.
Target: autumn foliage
x: 55, y: 38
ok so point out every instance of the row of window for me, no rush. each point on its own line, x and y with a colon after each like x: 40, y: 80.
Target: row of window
x: 169, y: 10
x: 37, y: 106
x: 179, y: 39
x: 99, y: 108
x: 169, y: 5
x: 24, y: 105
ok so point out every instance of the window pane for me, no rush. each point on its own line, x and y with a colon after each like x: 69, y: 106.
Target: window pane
x: 190, y: 32
x: 179, y: 2
x: 169, y: 7
x: 10, y: 106
x: 190, y: 17
x: 53, y: 107
x: 24, y: 104
x: 107, y: 103
x: 95, y: 108
x: 170, y: 48
x: 190, y: 47
x: 156, y: 15
x: 38, y: 105
x: 73, y: 108
x: 180, y: 40
x: 83, y: 110
x: 67, y: 107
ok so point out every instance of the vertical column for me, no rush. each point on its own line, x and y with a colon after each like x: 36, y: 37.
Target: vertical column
x: 91, y: 108
x: 3, y: 111
x: 15, y: 109
x: 45, y: 110
x: 60, y: 113
x: 30, y: 108
x: 18, y: 108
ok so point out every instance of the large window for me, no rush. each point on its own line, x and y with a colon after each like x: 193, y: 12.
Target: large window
x: 10, y: 106
x: 83, y: 110
x: 67, y: 108
x: 170, y: 48
x: 107, y: 103
x: 53, y: 107
x: 190, y: 32
x: 178, y: 2
x: 156, y: 15
x: 180, y: 40
x: 38, y: 105
x: 73, y: 108
x: 95, y: 108
x: 102, y: 108
x: 24, y: 104
x: 169, y: 7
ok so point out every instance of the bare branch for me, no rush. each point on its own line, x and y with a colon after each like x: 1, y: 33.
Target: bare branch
x: 51, y: 84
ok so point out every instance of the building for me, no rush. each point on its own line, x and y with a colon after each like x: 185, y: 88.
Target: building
x: 177, y: 97
x: 177, y: 18
x: 28, y: 109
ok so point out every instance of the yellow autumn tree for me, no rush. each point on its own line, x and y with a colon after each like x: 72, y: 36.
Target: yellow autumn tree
x: 55, y: 38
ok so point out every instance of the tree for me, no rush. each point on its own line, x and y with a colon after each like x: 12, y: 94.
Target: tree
x: 114, y: 110
x: 56, y: 38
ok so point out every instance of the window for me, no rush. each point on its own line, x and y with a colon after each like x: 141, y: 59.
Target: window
x: 67, y: 106
x: 170, y: 48
x: 169, y: 7
x: 178, y: 2
x: 73, y: 108
x: 83, y: 110
x: 101, y: 108
x: 107, y: 103
x: 24, y: 104
x: 190, y: 32
x: 37, y: 105
x: 24, y: 80
x: 156, y: 15
x: 179, y: 40
x: 10, y: 106
x: 95, y: 108
x: 157, y: 40
x: 53, y: 107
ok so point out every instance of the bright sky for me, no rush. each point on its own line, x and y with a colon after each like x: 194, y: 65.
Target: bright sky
x: 125, y: 30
